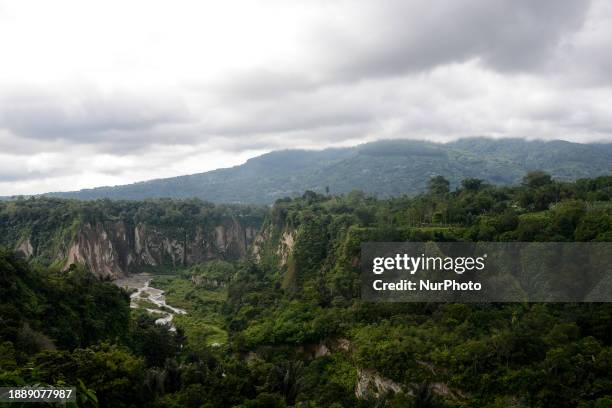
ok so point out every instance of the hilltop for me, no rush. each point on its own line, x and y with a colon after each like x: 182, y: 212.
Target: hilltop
x: 384, y: 168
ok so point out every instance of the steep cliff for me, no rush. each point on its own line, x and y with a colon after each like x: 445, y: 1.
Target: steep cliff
x: 115, y: 249
x: 128, y: 237
x: 274, y: 242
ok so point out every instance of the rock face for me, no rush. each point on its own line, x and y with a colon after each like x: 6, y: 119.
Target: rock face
x: 286, y: 246
x: 280, y: 247
x: 25, y: 248
x: 208, y: 283
x: 115, y: 249
x: 370, y: 382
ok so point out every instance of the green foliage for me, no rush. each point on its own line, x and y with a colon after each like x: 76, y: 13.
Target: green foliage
x: 445, y: 355
x: 71, y: 307
x: 291, y: 328
x: 385, y: 168
x: 535, y: 179
x: 438, y: 185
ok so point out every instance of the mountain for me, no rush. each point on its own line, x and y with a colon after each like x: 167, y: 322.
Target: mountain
x: 385, y: 168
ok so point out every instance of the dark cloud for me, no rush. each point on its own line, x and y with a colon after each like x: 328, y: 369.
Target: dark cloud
x: 392, y: 37
x: 397, y: 37
x: 8, y: 175
x: 84, y: 115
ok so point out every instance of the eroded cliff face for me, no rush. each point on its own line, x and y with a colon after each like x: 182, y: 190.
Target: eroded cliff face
x: 114, y: 249
x: 280, y: 247
x: 25, y: 248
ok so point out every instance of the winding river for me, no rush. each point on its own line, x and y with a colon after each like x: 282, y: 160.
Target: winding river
x: 140, y: 283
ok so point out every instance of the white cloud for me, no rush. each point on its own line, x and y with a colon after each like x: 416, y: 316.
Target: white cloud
x: 95, y: 93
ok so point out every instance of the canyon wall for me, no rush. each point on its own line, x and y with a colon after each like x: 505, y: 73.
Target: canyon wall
x: 116, y: 238
x: 115, y: 249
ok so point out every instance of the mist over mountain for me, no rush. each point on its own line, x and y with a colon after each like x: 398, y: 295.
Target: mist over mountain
x: 384, y: 168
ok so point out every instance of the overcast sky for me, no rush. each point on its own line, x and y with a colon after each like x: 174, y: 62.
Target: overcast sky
x: 112, y: 92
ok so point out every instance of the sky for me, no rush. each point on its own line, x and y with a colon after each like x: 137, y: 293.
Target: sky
x: 111, y: 92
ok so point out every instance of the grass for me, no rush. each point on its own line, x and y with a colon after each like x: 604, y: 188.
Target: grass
x: 181, y: 292
x: 203, y: 325
x: 146, y: 304
x: 200, y: 332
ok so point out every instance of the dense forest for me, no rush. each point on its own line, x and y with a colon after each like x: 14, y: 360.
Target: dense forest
x: 285, y: 326
x: 385, y: 168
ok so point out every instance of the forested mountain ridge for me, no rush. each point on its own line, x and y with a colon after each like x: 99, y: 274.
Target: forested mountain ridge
x: 385, y: 168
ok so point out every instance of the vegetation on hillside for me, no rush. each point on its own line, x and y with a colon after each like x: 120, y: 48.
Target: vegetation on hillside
x: 384, y: 168
x: 50, y: 224
x: 296, y: 332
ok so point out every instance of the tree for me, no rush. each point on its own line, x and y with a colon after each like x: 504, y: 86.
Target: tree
x: 287, y: 379
x: 438, y: 185
x: 472, y: 184
x: 566, y: 217
x: 535, y: 179
x: 593, y: 225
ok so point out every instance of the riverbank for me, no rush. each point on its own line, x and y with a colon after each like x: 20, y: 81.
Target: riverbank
x: 149, y: 298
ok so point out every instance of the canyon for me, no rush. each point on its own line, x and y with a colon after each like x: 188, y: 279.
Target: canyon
x: 116, y: 249
x: 118, y: 239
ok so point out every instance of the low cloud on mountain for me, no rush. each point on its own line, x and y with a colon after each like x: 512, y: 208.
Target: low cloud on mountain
x: 116, y: 93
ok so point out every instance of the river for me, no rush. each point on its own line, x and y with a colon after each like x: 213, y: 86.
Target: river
x: 144, y: 292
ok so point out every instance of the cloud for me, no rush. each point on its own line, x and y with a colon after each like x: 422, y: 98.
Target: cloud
x: 83, y: 113
x: 392, y: 37
x: 584, y: 59
x: 200, y: 86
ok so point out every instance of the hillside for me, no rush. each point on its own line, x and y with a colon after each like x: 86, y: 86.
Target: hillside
x: 295, y: 332
x: 384, y: 168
